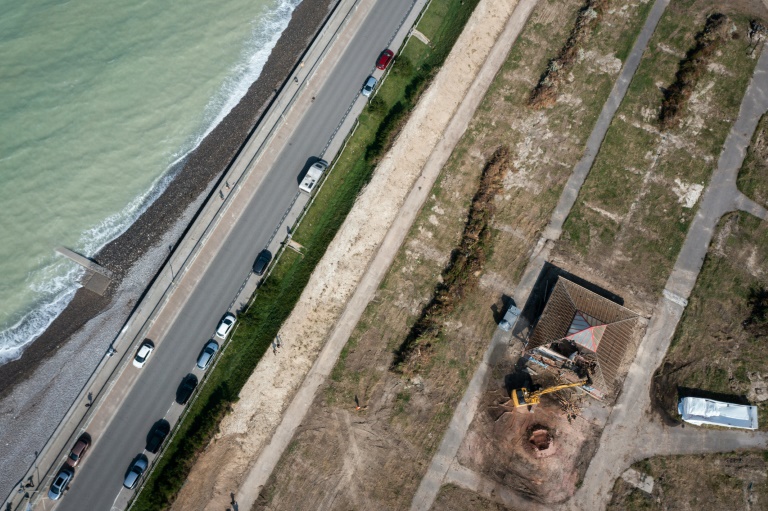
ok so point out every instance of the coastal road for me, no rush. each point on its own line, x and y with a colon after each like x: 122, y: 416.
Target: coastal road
x: 98, y: 482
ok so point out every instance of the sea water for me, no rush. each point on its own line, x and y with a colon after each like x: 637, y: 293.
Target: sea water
x: 97, y: 101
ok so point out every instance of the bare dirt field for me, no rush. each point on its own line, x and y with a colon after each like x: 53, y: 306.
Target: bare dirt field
x: 500, y: 447
x: 722, y: 481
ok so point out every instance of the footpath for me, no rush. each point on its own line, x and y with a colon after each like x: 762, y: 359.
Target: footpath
x: 176, y: 281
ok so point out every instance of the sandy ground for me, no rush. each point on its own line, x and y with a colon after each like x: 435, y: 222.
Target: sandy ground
x: 223, y: 466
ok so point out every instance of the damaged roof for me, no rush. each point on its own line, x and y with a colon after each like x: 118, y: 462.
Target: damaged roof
x: 593, y: 323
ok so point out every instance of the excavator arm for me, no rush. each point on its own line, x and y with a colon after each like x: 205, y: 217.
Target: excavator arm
x: 523, y: 397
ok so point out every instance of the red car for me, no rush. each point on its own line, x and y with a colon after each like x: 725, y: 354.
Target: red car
x: 384, y: 59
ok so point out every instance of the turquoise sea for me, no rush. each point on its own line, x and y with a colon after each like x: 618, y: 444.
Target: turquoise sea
x: 99, y: 99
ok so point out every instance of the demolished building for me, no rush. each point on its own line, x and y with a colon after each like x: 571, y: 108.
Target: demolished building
x: 582, y: 334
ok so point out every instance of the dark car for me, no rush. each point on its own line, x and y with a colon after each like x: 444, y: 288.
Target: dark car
x: 138, y: 466
x: 185, y: 390
x: 78, y: 451
x: 262, y: 261
x: 209, y: 351
x: 384, y: 59
x: 60, y: 483
x: 157, y: 435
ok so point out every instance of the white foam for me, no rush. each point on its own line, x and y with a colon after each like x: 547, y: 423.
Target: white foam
x: 57, y: 289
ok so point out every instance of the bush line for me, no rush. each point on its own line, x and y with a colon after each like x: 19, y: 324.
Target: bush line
x: 545, y: 93
x: 690, y: 70
x: 460, y: 275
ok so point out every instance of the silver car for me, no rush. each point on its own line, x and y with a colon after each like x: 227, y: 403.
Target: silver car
x: 209, y: 351
x: 60, y: 483
x: 133, y: 475
x: 370, y: 84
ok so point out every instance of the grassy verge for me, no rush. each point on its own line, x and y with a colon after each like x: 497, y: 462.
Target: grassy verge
x: 410, y: 73
x: 374, y: 457
x: 705, y: 483
x: 716, y: 349
x: 642, y: 192
x: 753, y: 176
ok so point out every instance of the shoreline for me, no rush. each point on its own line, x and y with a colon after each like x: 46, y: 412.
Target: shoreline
x: 135, y: 257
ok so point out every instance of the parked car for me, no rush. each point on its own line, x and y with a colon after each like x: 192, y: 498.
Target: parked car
x: 145, y: 350
x: 185, y: 390
x: 157, y: 435
x: 510, y: 318
x: 313, y: 175
x: 209, y: 351
x: 135, y: 470
x: 60, y: 482
x: 226, y: 325
x: 384, y: 59
x: 262, y: 262
x: 78, y: 451
x: 370, y: 84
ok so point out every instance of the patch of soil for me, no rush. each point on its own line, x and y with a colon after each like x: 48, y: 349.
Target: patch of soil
x: 499, y: 445
x: 453, y: 498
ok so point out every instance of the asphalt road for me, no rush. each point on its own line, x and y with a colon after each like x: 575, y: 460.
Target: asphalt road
x: 98, y: 481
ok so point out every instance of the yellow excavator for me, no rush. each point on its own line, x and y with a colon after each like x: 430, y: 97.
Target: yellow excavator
x: 524, y: 397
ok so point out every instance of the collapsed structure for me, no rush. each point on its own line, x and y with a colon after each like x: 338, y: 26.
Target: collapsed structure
x: 580, y: 334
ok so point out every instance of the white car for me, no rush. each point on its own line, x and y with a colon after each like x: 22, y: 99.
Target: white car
x: 226, y: 326
x: 145, y: 350
x: 370, y: 84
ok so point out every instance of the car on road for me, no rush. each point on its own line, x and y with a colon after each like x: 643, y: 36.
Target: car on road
x: 227, y: 322
x: 313, y: 176
x: 384, y: 59
x: 185, y: 390
x: 143, y: 353
x: 157, y: 435
x: 370, y: 84
x: 209, y: 351
x: 510, y: 318
x: 262, y: 261
x: 78, y: 450
x: 138, y: 466
x: 60, y: 482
